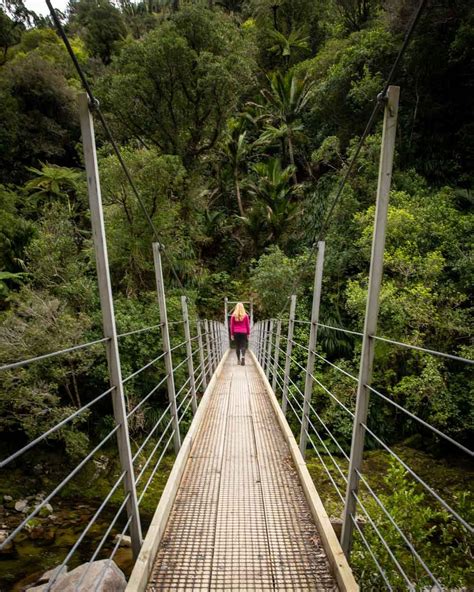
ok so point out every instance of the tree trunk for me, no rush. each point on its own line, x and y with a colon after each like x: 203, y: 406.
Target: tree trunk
x: 237, y: 191
x: 292, y: 157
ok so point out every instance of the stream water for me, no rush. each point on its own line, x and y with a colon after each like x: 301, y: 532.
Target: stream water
x: 47, y: 542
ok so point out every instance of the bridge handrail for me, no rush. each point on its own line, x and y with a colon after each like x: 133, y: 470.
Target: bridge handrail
x: 265, y: 343
x: 215, y: 346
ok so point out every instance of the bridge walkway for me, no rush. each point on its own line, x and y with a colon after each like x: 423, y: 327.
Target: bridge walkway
x: 240, y: 519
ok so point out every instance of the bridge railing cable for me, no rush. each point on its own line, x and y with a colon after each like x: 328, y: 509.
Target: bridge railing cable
x: 190, y: 366
x: 337, y: 470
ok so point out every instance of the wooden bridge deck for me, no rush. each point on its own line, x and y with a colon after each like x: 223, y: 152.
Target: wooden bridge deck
x: 240, y: 519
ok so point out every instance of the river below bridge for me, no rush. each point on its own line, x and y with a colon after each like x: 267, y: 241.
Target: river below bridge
x: 48, y: 539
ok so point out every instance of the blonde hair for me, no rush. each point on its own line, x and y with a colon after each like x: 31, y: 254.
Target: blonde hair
x: 239, y: 311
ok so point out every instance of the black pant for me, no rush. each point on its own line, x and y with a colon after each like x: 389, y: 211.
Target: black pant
x: 240, y: 344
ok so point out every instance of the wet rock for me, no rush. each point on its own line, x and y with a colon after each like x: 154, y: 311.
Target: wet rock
x: 9, y: 547
x: 110, y: 576
x: 22, y: 506
x: 123, y: 540
x: 58, y: 572
x: 46, y: 510
x: 7, y: 498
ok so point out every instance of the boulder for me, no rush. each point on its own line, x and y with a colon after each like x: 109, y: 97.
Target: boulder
x: 21, y: 505
x: 112, y: 581
x: 59, y: 572
x: 46, y: 510
x: 8, y: 548
x: 7, y: 498
x: 123, y: 540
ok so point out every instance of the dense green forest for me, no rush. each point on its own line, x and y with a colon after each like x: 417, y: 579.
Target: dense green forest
x: 237, y: 120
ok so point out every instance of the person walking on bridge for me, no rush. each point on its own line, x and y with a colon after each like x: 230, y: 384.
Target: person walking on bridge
x: 240, y: 331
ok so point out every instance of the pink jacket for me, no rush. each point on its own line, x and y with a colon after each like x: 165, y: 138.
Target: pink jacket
x: 242, y: 326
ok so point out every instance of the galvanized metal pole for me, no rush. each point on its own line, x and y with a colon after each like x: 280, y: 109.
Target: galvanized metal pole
x: 226, y: 312
x: 269, y: 349
x: 276, y: 356
x: 189, y: 352
x: 251, y: 313
x: 214, y: 343
x: 108, y: 320
x: 208, y: 347
x: 308, y: 387
x: 371, y: 313
x: 160, y: 289
x: 289, y: 349
x: 264, y: 344
x: 201, y: 354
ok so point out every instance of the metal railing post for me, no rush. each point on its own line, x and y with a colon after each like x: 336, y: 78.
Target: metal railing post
x: 160, y: 289
x: 208, y: 348
x: 289, y: 349
x: 214, y: 343
x: 201, y: 354
x: 263, y: 347
x: 251, y: 313
x: 308, y: 386
x: 226, y: 312
x: 269, y: 349
x: 371, y: 313
x: 258, y: 340
x: 108, y: 320
x: 276, y: 356
x: 189, y: 352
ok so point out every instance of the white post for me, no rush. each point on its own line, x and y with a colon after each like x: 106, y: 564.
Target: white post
x: 289, y: 349
x: 160, y: 289
x: 251, y: 313
x: 189, y: 352
x: 269, y: 348
x: 201, y: 355
x: 108, y: 320
x: 308, y: 387
x: 226, y: 312
x: 208, y: 347
x: 371, y: 313
x: 276, y: 356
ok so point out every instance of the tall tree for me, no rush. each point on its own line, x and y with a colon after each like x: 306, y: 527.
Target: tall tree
x: 285, y: 101
x: 179, y: 84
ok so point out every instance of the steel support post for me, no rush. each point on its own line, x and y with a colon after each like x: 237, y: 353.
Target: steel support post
x: 108, y: 320
x: 265, y: 344
x: 276, y: 355
x: 214, y: 343
x: 308, y: 386
x: 263, y: 347
x: 201, y: 354
x: 226, y: 312
x: 269, y: 349
x: 208, y: 348
x: 289, y: 349
x: 160, y: 289
x: 189, y: 352
x: 259, y: 340
x: 251, y: 313
x: 371, y: 313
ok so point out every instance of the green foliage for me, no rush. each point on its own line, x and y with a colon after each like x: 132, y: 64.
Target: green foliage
x: 102, y: 25
x: 272, y: 279
x: 180, y: 82
x: 424, y: 525
x: 161, y: 181
x: 38, y: 120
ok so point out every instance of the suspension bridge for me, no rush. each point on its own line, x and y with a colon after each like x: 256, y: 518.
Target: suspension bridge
x: 240, y: 510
